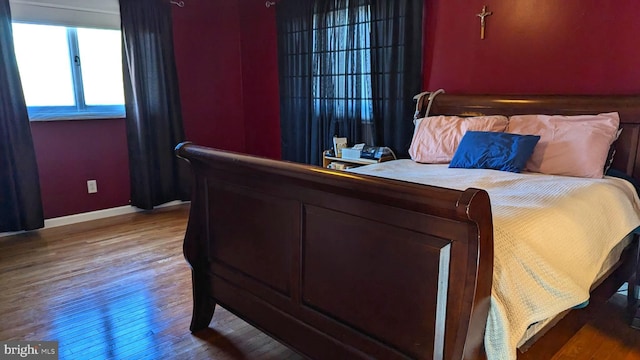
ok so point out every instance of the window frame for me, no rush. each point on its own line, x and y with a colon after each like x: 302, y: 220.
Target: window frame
x: 80, y: 111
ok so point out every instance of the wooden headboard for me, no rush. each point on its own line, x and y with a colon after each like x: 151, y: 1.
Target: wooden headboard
x: 627, y: 156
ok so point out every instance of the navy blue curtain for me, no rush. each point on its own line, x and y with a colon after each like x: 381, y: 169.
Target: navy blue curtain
x: 324, y: 70
x: 342, y: 70
x: 301, y: 136
x: 152, y: 102
x: 396, y: 41
x: 20, y: 200
x: 347, y: 68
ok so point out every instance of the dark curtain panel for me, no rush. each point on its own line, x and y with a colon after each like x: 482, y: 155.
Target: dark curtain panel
x: 325, y: 75
x: 20, y: 200
x: 396, y: 39
x: 348, y: 68
x: 342, y: 70
x: 154, y: 120
x: 300, y: 134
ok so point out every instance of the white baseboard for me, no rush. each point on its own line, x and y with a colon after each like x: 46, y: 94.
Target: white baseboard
x: 88, y: 216
x: 94, y: 215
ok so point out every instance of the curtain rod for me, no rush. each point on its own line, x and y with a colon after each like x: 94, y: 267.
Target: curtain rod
x: 179, y: 3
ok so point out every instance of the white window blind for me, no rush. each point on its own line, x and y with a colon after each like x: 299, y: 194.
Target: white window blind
x: 103, y: 14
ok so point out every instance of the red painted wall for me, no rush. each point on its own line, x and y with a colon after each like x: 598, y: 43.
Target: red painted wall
x: 71, y: 152
x: 208, y: 58
x: 261, y: 99
x: 226, y: 55
x: 533, y: 46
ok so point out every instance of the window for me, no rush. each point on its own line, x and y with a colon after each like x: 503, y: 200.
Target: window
x: 70, y: 73
x: 342, y: 63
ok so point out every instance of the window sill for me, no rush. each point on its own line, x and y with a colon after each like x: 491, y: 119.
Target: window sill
x: 77, y: 117
x: 55, y: 114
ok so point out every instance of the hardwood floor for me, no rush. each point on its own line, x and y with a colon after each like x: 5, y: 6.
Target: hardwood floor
x: 119, y: 288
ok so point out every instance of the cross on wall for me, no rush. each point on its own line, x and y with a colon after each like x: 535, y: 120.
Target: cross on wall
x: 482, y: 17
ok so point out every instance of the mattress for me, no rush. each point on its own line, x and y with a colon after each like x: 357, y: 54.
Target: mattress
x: 552, y: 235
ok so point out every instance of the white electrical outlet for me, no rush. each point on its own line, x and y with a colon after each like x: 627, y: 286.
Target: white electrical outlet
x: 92, y: 186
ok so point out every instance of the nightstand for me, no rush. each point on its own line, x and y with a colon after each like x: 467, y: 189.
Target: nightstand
x: 349, y: 163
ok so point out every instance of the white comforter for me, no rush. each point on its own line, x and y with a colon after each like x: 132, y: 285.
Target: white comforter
x: 551, y: 236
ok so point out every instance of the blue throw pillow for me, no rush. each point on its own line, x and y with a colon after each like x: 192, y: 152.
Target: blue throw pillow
x: 494, y: 150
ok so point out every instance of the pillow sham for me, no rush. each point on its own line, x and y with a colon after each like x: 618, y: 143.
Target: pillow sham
x: 569, y: 145
x: 494, y: 150
x: 436, y: 138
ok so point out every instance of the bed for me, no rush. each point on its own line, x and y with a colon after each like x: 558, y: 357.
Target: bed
x: 346, y: 265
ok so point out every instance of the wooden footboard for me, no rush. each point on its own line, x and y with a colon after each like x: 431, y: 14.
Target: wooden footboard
x: 339, y: 265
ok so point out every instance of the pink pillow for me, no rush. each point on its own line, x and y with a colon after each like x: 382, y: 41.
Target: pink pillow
x: 436, y: 138
x: 569, y: 145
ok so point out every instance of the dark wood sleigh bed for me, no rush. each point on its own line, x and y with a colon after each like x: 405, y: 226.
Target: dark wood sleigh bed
x: 341, y: 265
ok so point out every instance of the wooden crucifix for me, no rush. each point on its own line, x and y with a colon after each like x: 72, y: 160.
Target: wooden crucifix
x: 483, y: 15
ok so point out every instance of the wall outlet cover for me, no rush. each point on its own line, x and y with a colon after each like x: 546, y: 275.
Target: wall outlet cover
x: 92, y: 186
